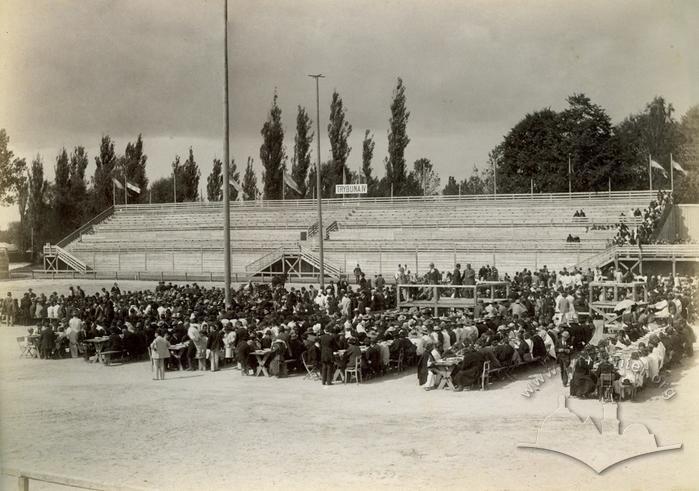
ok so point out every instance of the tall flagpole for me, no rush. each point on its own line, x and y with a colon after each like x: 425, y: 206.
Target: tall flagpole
x: 126, y: 189
x: 650, y: 172
x: 569, y: 176
x: 320, y: 206
x: 113, y: 194
x: 226, y: 160
x: 672, y: 176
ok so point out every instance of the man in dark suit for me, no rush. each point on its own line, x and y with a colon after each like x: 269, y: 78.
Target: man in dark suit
x: 457, y: 279
x: 328, y: 345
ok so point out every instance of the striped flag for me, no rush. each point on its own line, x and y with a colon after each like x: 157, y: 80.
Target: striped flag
x: 656, y: 165
x: 677, y: 166
x: 237, y: 187
x: 291, y: 183
x: 133, y: 187
x: 116, y: 182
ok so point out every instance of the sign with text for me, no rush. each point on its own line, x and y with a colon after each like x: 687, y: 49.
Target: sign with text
x: 350, y: 189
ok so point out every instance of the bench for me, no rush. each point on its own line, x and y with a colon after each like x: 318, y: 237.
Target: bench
x: 107, y: 356
x: 488, y: 372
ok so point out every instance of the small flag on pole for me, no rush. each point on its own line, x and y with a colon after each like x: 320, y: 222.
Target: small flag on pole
x: 678, y: 167
x: 656, y: 165
x: 237, y: 187
x: 116, y: 182
x: 291, y: 183
x: 133, y: 187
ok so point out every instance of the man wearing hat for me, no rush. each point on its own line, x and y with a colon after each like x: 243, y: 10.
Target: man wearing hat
x: 563, y: 350
x: 328, y: 346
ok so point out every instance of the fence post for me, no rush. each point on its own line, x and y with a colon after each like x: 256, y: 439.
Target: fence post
x: 23, y: 483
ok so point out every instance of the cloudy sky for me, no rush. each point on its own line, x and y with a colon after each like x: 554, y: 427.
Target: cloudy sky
x: 72, y: 70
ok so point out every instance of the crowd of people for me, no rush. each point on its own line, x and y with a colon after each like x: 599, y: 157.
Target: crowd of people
x: 651, y: 219
x: 345, y: 325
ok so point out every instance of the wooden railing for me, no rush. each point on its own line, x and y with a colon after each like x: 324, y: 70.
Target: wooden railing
x: 23, y: 478
x: 85, y: 228
x: 407, y: 200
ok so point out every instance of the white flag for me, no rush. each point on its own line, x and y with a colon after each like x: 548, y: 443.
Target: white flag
x: 237, y: 187
x: 656, y: 165
x: 291, y: 183
x: 118, y: 184
x: 678, y: 167
x: 133, y: 187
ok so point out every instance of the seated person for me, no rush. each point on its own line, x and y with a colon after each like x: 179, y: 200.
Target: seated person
x: 468, y: 372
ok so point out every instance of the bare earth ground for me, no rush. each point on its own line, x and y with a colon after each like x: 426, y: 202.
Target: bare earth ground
x: 223, y: 431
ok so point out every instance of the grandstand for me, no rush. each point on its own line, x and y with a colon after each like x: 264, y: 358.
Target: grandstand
x: 267, y: 237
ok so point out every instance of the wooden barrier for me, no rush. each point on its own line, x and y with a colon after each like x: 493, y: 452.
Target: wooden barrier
x: 23, y: 478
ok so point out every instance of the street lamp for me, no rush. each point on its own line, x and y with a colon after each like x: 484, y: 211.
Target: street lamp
x: 226, y: 159
x: 320, y: 206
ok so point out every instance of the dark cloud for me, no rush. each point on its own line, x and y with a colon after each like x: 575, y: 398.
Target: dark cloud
x: 75, y: 69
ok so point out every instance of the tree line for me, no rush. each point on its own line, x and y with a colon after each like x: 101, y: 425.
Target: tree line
x: 539, y: 151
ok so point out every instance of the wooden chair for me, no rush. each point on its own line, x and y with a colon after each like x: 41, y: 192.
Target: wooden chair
x: 355, y: 372
x: 26, y: 347
x: 605, y: 387
x: 396, y: 363
x: 311, y: 372
x: 485, y: 375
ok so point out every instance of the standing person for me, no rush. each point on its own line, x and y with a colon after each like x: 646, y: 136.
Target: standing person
x: 357, y: 273
x: 160, y: 351
x: 8, y: 308
x: 328, y: 346
x: 457, y: 279
x: 214, y: 345
x: 563, y: 350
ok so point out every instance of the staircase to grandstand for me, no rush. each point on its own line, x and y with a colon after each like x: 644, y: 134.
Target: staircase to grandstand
x: 273, y: 237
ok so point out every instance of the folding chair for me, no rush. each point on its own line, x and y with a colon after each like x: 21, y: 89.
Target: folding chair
x: 311, y: 372
x: 396, y: 363
x: 356, y: 372
x: 26, y: 347
x: 606, y: 387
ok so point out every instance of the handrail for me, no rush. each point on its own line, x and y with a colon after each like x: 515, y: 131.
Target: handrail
x: 261, y: 260
x: 93, y: 221
x: 352, y: 202
x: 23, y: 478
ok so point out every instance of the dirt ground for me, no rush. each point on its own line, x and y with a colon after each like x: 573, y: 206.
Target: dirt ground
x: 199, y: 430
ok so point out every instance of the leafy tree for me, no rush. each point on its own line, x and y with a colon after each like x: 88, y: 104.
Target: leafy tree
x: 423, y: 180
x: 272, y: 151
x: 476, y: 183
x: 652, y: 132
x: 102, y: 195
x: 339, y: 131
x: 587, y: 131
x: 78, y: 189
x: 188, y: 175
x: 134, y: 164
x: 250, y: 181
x: 302, y: 151
x: 64, y: 208
x: 397, y: 141
x: 532, y: 150
x: 234, y: 174
x: 214, y: 183
x: 22, y: 205
x: 452, y: 187
x: 687, y: 186
x: 161, y: 189
x: 11, y: 171
x: 37, y: 202
x: 367, y: 154
x: 327, y: 179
